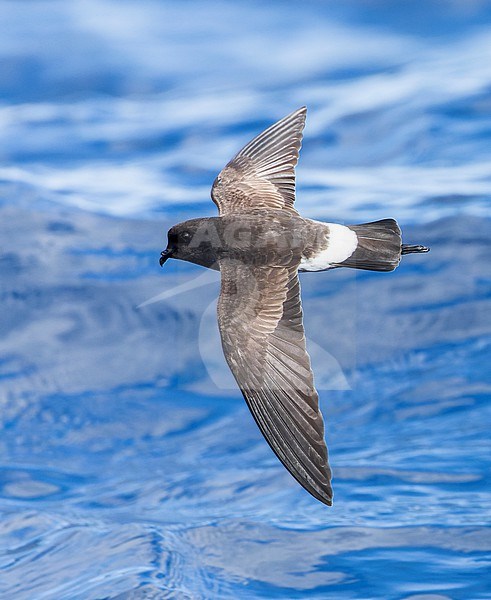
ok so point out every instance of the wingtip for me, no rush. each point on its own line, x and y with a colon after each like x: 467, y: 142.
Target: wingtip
x: 327, y: 501
x: 321, y: 492
x: 301, y: 111
x: 326, y: 498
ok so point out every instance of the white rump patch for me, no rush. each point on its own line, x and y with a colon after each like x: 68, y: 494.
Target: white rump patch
x: 342, y: 243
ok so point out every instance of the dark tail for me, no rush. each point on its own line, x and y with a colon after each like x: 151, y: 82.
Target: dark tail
x: 379, y: 246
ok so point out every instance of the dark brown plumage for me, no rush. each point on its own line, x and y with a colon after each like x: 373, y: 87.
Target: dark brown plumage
x: 260, y: 321
x: 262, y: 174
x: 260, y: 243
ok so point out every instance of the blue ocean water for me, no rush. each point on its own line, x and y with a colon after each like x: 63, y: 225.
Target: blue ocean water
x: 130, y: 467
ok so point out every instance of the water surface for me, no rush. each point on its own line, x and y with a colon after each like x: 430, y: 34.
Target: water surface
x: 130, y: 466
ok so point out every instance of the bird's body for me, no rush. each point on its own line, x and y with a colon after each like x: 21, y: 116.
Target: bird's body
x: 259, y: 243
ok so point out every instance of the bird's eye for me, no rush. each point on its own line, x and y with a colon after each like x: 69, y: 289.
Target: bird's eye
x: 185, y: 236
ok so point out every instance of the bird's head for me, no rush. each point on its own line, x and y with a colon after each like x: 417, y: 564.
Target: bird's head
x: 196, y: 241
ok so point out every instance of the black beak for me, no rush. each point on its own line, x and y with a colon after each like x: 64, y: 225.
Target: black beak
x: 165, y: 254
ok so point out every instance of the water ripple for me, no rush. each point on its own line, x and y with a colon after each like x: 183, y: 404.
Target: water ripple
x: 130, y: 466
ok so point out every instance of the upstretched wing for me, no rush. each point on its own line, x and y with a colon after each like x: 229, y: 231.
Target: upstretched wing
x: 262, y: 174
x: 260, y: 320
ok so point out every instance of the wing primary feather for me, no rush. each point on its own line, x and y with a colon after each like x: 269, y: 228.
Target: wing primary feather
x: 262, y: 174
x: 319, y: 487
x: 264, y: 344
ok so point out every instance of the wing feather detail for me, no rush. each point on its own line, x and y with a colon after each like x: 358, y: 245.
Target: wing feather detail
x: 261, y: 326
x: 262, y: 174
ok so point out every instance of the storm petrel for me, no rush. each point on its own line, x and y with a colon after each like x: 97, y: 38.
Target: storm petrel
x: 259, y: 243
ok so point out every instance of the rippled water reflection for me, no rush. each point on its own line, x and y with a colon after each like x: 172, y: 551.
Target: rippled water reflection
x: 130, y: 467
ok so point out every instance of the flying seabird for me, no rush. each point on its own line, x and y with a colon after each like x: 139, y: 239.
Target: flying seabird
x: 259, y: 243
